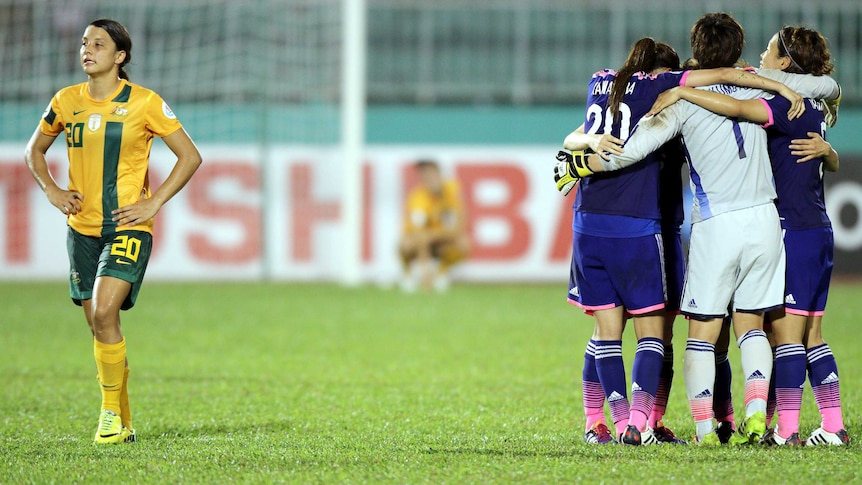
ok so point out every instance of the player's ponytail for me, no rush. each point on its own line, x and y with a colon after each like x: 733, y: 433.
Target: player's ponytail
x: 641, y: 58
x: 806, y: 49
x: 121, y: 38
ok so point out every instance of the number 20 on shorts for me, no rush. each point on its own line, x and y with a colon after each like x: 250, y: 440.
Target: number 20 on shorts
x: 127, y: 247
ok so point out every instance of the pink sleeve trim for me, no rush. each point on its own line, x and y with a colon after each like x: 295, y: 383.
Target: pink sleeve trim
x: 684, y: 78
x: 771, y: 120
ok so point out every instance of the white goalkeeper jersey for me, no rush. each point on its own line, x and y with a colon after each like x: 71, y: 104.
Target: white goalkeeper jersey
x: 728, y: 158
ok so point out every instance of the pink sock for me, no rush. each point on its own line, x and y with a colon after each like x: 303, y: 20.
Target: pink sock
x: 656, y: 416
x: 788, y: 380
x: 593, y: 395
x: 621, y: 415
x: 638, y: 420
x: 833, y: 421
x: 664, y: 384
x: 823, y: 374
x: 594, y: 402
x: 788, y: 403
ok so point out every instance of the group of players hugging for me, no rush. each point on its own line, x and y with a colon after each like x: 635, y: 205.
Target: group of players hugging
x: 754, y: 143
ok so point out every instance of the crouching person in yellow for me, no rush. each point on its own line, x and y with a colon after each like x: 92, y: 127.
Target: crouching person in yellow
x: 435, y: 230
x: 109, y: 125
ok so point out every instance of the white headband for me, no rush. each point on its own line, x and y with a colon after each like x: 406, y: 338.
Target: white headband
x: 787, y: 51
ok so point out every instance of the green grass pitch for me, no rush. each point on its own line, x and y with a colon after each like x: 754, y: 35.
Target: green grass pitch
x: 261, y: 383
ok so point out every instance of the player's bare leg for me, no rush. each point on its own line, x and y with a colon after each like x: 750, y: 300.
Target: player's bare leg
x: 812, y: 336
x: 108, y: 296
x: 410, y: 250
x: 125, y: 406
x: 109, y: 349
x: 450, y: 253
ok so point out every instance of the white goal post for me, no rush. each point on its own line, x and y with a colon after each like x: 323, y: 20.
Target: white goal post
x: 353, y: 100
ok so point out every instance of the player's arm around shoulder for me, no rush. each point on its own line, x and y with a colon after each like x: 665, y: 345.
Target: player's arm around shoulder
x: 604, y: 144
x: 815, y: 147
x: 649, y: 135
x: 807, y: 85
x: 751, y: 109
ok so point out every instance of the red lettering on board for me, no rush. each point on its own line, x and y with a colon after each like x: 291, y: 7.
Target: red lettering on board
x: 307, y: 212
x: 203, y: 202
x: 18, y: 182
x: 508, y: 211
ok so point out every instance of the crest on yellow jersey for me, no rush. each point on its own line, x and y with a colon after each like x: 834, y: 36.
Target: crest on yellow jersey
x: 94, y: 122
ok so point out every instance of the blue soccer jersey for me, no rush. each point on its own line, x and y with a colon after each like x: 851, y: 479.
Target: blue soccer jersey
x: 672, y: 157
x: 799, y: 186
x: 632, y: 192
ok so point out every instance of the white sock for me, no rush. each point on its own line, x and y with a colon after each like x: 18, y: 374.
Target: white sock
x: 757, y: 368
x: 699, y: 375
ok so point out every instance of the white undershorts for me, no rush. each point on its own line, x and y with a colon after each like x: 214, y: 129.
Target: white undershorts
x: 735, y: 258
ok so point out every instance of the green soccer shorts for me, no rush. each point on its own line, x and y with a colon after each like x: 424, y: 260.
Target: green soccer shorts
x: 122, y: 255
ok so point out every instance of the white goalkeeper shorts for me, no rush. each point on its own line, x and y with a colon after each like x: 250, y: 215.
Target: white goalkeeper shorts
x: 735, y: 258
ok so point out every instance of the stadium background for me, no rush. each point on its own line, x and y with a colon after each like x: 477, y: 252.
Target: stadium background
x: 489, y: 88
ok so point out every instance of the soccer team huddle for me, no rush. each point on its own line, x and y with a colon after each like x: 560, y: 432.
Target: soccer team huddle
x: 754, y: 143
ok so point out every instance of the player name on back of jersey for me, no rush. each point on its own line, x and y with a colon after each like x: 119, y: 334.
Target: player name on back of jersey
x: 604, y: 87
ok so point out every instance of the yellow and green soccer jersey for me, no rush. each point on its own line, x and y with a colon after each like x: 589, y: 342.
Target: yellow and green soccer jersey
x: 109, y: 149
x: 425, y: 210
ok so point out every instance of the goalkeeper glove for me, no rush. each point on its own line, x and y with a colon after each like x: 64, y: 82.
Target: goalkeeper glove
x: 830, y: 111
x: 570, y: 168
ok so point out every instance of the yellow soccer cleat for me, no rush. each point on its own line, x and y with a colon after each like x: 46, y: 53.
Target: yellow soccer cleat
x: 751, y: 430
x: 737, y: 439
x: 709, y: 440
x: 111, y: 429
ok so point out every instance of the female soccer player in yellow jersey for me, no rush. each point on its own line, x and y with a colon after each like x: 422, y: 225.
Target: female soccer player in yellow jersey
x: 109, y: 124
